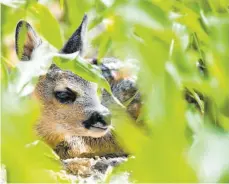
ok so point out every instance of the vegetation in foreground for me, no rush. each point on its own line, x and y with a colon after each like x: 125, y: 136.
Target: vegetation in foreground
x: 168, y: 38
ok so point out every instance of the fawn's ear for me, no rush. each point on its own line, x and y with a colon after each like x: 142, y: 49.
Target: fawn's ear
x: 76, y: 41
x: 26, y: 40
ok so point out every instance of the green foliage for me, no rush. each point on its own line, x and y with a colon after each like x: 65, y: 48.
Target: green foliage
x: 169, y: 38
x: 24, y: 156
x: 49, y: 27
x: 84, y: 70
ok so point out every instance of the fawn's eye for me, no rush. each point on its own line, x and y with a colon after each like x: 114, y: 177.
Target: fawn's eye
x: 66, y: 96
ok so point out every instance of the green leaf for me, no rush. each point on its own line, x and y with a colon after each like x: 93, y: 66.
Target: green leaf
x: 49, y: 27
x: 4, y: 74
x: 83, y: 69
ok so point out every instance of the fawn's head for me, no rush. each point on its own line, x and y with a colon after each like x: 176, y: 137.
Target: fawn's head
x: 70, y: 104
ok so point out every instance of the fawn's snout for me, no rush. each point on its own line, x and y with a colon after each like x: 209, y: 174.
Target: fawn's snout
x: 98, y: 120
x: 98, y: 123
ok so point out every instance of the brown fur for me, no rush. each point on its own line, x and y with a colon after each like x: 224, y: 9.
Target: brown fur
x: 62, y: 122
x: 61, y: 125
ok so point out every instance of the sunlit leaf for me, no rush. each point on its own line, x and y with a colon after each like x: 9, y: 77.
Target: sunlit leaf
x: 84, y: 70
x: 49, y: 26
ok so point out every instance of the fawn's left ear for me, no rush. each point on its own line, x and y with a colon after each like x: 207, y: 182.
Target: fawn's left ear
x: 26, y: 40
x: 76, y: 41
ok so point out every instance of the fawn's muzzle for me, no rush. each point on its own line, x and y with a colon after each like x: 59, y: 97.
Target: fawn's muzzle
x: 99, y: 120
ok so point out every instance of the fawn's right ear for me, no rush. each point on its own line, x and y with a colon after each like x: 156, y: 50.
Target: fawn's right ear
x: 26, y: 40
x: 76, y: 41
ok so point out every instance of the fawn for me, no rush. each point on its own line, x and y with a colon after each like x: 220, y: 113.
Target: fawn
x: 74, y: 122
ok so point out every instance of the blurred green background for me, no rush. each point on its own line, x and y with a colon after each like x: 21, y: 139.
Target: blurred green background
x: 170, y: 39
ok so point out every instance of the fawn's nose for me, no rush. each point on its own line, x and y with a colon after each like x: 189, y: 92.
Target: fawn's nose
x: 99, y: 120
x: 101, y: 117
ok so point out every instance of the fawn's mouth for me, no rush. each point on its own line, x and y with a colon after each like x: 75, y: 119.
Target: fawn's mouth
x: 100, y: 126
x: 98, y: 129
